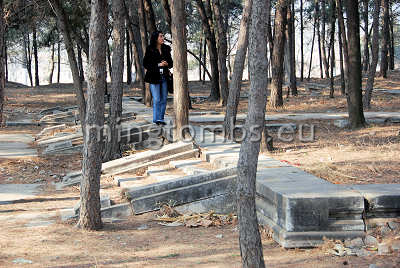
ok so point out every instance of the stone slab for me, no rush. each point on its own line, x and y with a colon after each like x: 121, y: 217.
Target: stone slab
x: 16, y: 146
x: 221, y: 204
x: 382, y: 200
x: 304, y: 239
x: 179, y: 183
x: 184, y: 195
x: 10, y: 193
x: 117, y: 211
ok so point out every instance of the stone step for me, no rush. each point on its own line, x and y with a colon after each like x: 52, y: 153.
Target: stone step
x: 178, y: 183
x: 183, y: 195
x: 136, y: 167
x: 113, y: 167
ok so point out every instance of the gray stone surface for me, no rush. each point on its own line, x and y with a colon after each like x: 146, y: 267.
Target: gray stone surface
x: 117, y: 211
x: 16, y: 146
x: 181, y: 182
x: 383, y: 200
x: 221, y: 204
x: 184, y: 195
x: 10, y: 193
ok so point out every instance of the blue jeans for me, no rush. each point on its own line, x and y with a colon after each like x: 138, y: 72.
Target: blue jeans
x: 160, y: 94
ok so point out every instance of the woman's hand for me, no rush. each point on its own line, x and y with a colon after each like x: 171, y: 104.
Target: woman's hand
x: 163, y: 64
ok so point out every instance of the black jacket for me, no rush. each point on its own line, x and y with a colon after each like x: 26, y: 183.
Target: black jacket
x: 151, y: 60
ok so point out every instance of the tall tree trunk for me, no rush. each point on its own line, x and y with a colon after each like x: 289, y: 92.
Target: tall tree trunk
x: 28, y: 57
x: 2, y: 56
x: 65, y: 25
x: 131, y: 16
x: 143, y: 33
x: 113, y: 150
x: 212, y: 48
x: 385, y: 39
x: 128, y: 57
x: 342, y: 30
x: 342, y: 72
x: 375, y: 55
x: 332, y: 47
x: 292, y: 45
x: 58, y: 62
x: 6, y: 58
x: 249, y: 235
x: 200, y: 56
x: 35, y: 55
x: 366, y: 36
x: 391, y: 52
x: 354, y: 98
x: 277, y: 54
x: 317, y: 21
x: 90, y: 215
x: 181, y: 102
x: 80, y: 64
x: 167, y: 12
x: 312, y: 50
x: 236, y: 82
x: 205, y: 60
x: 52, y: 64
x: 323, y: 37
x: 302, y: 41
x: 222, y: 51
x: 150, y: 19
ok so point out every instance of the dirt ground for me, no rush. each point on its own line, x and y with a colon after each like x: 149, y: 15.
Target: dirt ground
x: 368, y: 155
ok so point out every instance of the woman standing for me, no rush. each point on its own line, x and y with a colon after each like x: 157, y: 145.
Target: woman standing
x: 157, y: 62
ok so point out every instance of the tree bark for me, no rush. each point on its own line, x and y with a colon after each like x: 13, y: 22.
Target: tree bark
x: 222, y: 51
x: 302, y: 41
x: 181, y: 101
x: 200, y: 56
x: 131, y: 16
x: 150, y: 19
x: 205, y: 60
x: 51, y: 74
x: 90, y: 215
x: 385, y: 39
x: 342, y: 30
x: 323, y: 37
x: 312, y: 51
x: 236, y: 82
x: 64, y: 25
x: 6, y: 59
x: 249, y: 235
x: 2, y: 56
x: 212, y: 49
x: 292, y: 45
x: 128, y: 57
x: 375, y: 55
x: 58, y: 62
x: 35, y: 55
x: 167, y: 11
x: 332, y: 47
x: 113, y: 150
x: 277, y: 54
x: 28, y: 57
x: 392, y: 45
x: 317, y: 21
x: 342, y: 72
x: 143, y: 34
x: 366, y: 36
x: 354, y: 97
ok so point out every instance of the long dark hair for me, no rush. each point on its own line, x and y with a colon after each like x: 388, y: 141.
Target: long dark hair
x: 154, y: 38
